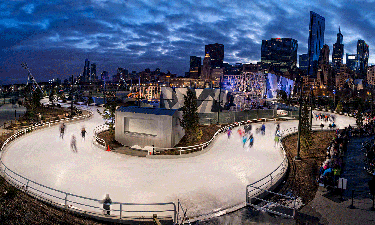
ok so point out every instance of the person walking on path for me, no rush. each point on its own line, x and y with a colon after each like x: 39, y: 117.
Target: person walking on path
x: 107, y: 204
x: 73, y: 143
x: 62, y: 130
x: 83, y: 132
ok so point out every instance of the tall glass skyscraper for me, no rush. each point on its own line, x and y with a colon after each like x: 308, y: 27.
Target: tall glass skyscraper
x: 216, y: 52
x: 352, y: 61
x: 86, y: 71
x: 338, y: 51
x: 280, y: 53
x: 316, y: 41
x: 362, y: 54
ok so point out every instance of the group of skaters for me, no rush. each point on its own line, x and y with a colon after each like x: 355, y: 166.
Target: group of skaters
x: 325, y: 117
x: 73, y: 141
x: 247, y: 136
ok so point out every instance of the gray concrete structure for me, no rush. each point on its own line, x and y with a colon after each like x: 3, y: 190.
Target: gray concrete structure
x: 148, y: 126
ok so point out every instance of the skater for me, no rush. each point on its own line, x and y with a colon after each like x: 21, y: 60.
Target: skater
x: 83, y: 132
x: 251, y: 140
x: 244, y: 140
x: 107, y: 204
x: 322, y: 126
x: 263, y: 129
x: 229, y: 132
x: 73, y: 143
x: 277, y: 128
x: 62, y: 130
x: 277, y: 138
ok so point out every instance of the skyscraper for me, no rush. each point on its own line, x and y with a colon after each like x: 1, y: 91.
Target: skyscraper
x: 93, y: 76
x: 279, y: 53
x: 86, y: 71
x: 216, y: 52
x: 206, y: 69
x: 324, y: 55
x: 352, y: 61
x: 338, y: 51
x: 362, y: 54
x: 195, y: 67
x: 304, y: 62
x: 316, y: 41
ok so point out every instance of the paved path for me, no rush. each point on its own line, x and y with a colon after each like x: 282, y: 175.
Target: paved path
x: 211, y: 181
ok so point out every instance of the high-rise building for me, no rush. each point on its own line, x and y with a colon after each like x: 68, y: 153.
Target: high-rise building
x: 279, y: 53
x: 371, y: 75
x: 362, y: 54
x: 338, y: 51
x: 324, y: 55
x: 216, y: 52
x: 206, y: 69
x: 352, y: 62
x: 93, y: 76
x: 304, y: 63
x: 86, y: 71
x: 316, y: 41
x: 195, y: 67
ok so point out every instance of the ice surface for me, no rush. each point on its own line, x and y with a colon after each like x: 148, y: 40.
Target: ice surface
x: 210, y: 181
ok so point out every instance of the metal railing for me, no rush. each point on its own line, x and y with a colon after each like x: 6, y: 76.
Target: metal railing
x: 97, y: 140
x: 85, y: 205
x: 262, y: 187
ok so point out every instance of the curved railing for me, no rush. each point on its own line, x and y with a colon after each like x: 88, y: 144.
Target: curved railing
x: 97, y: 140
x: 44, y: 124
x: 85, y: 205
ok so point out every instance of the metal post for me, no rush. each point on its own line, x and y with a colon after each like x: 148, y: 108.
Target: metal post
x: 120, y: 210
x: 27, y: 185
x: 66, y: 200
x: 352, y: 206
x: 298, y: 157
x: 178, y: 208
x: 175, y: 213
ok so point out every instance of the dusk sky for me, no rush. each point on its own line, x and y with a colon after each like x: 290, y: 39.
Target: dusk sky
x: 55, y: 37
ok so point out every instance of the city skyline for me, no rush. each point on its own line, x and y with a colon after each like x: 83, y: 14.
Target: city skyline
x: 54, y: 39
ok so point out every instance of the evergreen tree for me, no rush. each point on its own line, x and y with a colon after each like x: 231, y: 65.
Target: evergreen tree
x: 35, y: 99
x: 359, y: 116
x: 339, y: 107
x: 52, y: 97
x: 306, y: 134
x: 109, y: 112
x: 190, y: 118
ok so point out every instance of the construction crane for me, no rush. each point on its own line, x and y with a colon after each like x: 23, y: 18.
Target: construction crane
x: 30, y: 77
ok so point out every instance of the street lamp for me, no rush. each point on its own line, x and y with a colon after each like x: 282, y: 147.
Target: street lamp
x: 298, y: 157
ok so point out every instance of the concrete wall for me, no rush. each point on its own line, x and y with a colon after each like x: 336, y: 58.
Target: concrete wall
x: 147, y: 129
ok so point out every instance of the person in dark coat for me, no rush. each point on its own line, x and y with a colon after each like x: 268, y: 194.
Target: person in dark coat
x: 107, y: 204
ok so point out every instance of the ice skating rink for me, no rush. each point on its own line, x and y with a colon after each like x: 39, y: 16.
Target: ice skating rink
x: 211, y: 181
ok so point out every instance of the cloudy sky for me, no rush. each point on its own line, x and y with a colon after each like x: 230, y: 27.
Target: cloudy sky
x: 55, y: 37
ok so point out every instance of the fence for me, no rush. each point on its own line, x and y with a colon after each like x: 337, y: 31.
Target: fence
x: 97, y: 140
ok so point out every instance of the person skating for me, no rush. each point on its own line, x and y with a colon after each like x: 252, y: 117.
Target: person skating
x: 229, y: 132
x: 263, y: 129
x: 83, y: 132
x: 251, y: 140
x: 107, y: 204
x: 62, y: 130
x: 73, y: 143
x: 244, y: 140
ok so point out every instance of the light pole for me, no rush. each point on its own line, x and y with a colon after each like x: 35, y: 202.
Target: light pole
x: 298, y: 157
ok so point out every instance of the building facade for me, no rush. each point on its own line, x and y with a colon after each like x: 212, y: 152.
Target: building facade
x: 145, y: 126
x: 362, y: 54
x: 352, y: 62
x: 304, y: 63
x: 195, y: 67
x: 86, y: 71
x: 216, y: 52
x: 280, y: 54
x: 93, y: 76
x: 206, y: 69
x: 371, y: 75
x: 315, y: 42
x: 338, y: 51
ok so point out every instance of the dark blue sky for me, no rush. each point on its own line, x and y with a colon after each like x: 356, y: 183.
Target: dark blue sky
x: 55, y: 37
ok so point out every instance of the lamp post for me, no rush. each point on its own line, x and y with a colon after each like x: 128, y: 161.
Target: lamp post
x: 298, y: 157
x: 218, y: 110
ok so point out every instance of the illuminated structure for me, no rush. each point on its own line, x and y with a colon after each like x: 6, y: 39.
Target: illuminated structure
x: 206, y: 69
x: 362, y: 54
x: 86, y: 71
x: 316, y: 41
x: 338, y: 51
x: 93, y: 76
x: 280, y: 54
